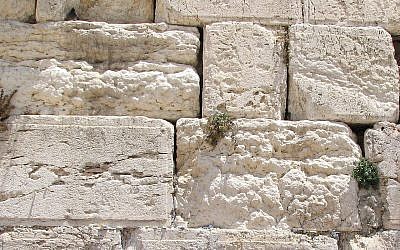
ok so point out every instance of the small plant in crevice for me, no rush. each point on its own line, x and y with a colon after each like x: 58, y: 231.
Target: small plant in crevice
x: 366, y: 174
x: 217, y: 127
x: 5, y: 107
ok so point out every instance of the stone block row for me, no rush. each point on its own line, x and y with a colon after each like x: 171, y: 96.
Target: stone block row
x: 336, y: 73
x: 83, y: 68
x: 267, y: 173
x: 78, y: 170
x: 383, y: 13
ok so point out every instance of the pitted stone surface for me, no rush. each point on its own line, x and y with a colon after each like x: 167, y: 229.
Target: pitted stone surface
x: 268, y: 173
x: 164, y: 239
x: 342, y: 73
x: 388, y: 240
x: 84, y: 237
x: 101, y: 69
x: 21, y: 10
x: 116, y: 11
x: 384, y: 13
x: 382, y: 146
x: 244, y: 71
x: 200, y: 12
x: 106, y: 170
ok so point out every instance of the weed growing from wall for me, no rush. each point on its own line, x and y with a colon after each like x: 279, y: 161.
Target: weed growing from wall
x: 366, y: 174
x: 217, y: 127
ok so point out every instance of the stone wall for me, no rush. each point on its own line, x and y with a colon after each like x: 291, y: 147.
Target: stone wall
x: 106, y: 144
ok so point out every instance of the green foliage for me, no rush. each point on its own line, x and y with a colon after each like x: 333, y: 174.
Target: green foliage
x: 5, y: 106
x: 366, y: 174
x: 217, y: 126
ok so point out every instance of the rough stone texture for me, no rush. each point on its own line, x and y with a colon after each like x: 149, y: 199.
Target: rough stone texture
x: 385, y: 13
x: 342, y: 73
x: 101, y: 69
x: 80, y: 170
x: 116, y: 11
x: 370, y: 208
x: 244, y: 71
x: 200, y: 12
x: 21, y: 10
x: 382, y: 146
x: 160, y: 239
x: 268, y: 173
x: 85, y: 237
x: 388, y: 240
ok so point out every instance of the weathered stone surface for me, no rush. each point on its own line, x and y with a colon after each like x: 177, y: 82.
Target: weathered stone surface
x: 21, y: 10
x: 159, y: 239
x: 385, y: 13
x: 244, y: 70
x: 113, y: 170
x: 101, y: 69
x: 388, y: 240
x: 200, y: 12
x: 84, y: 237
x: 268, y: 173
x: 116, y: 11
x: 342, y: 73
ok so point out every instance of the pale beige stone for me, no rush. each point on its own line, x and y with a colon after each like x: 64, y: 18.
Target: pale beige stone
x: 106, y: 170
x: 101, y: 69
x: 165, y: 239
x: 244, y: 70
x: 200, y: 12
x: 84, y: 237
x: 385, y: 13
x: 116, y: 11
x: 387, y: 240
x: 21, y: 10
x: 382, y: 146
x: 343, y: 74
x: 268, y: 173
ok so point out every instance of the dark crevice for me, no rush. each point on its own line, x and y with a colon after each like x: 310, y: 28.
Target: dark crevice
x: 199, y: 69
x: 175, y: 179
x: 286, y: 55
x: 359, y: 130
x: 71, y: 16
x: 32, y: 19
x: 154, y: 10
x: 396, y: 44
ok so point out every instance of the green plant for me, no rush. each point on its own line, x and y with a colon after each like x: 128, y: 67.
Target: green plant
x: 217, y: 126
x: 5, y: 106
x: 366, y: 174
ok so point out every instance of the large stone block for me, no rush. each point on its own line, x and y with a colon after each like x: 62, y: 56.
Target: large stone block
x: 382, y: 146
x: 105, y: 170
x: 200, y: 12
x: 342, y: 73
x: 116, y: 11
x: 21, y: 10
x: 388, y: 240
x: 268, y: 173
x: 63, y: 237
x: 244, y: 70
x: 85, y: 68
x: 164, y: 239
x: 385, y: 13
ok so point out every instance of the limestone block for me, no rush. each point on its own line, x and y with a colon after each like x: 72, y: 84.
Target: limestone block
x: 85, y: 68
x: 164, y: 239
x: 21, y: 10
x: 385, y: 13
x: 244, y: 70
x: 382, y: 146
x: 103, y: 170
x: 83, y: 237
x: 388, y: 240
x: 342, y: 73
x: 268, y: 173
x: 116, y: 11
x: 200, y: 12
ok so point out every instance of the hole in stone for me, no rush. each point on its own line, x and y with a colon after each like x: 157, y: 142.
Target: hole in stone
x: 72, y: 16
x: 359, y: 131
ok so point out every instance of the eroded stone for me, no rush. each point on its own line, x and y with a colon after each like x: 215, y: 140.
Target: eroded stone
x: 85, y: 68
x: 116, y: 11
x: 224, y: 239
x: 268, y: 173
x: 106, y: 170
x: 244, y: 71
x: 200, y: 12
x: 388, y: 240
x: 84, y: 237
x: 343, y: 74
x: 21, y: 10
